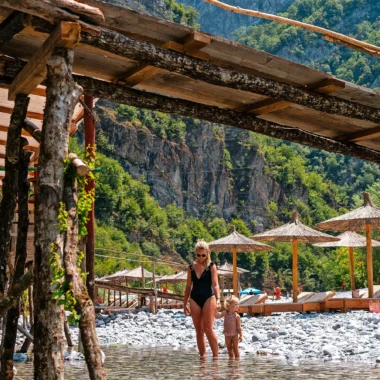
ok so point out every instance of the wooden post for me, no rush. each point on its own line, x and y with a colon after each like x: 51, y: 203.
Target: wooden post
x: 120, y: 298
x: 109, y: 297
x: 89, y: 137
x: 114, y: 297
x: 295, y: 269
x: 235, y: 274
x: 127, y: 300
x: 154, y: 287
x: 142, y: 275
x: 369, y: 259
x: 352, y: 271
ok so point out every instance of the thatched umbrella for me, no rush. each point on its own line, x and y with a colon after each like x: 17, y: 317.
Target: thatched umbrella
x: 295, y: 232
x: 228, y: 270
x: 364, y: 218
x: 173, y: 278
x: 234, y: 243
x: 350, y: 239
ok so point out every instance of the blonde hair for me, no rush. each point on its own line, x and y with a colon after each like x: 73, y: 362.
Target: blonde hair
x: 228, y: 301
x: 201, y: 244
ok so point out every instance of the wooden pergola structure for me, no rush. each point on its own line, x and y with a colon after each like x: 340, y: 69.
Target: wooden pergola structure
x: 122, y: 56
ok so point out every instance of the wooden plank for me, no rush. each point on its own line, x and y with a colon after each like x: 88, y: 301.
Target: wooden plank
x: 38, y: 91
x: 4, y: 128
x: 32, y: 115
x: 191, y: 46
x: 326, y: 86
x: 364, y: 135
x: 67, y: 35
x: 195, y: 42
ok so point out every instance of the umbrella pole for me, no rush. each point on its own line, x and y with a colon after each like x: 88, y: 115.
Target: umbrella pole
x: 154, y: 301
x: 369, y: 259
x: 352, y: 273
x: 142, y: 276
x: 295, y: 269
x: 235, y: 276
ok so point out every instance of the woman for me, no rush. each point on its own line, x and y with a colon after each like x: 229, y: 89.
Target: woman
x: 202, y: 282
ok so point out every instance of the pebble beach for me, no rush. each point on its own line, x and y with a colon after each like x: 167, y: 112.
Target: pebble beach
x: 295, y: 337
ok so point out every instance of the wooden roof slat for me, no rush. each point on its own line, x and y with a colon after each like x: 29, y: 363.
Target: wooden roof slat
x: 366, y: 134
x: 32, y: 115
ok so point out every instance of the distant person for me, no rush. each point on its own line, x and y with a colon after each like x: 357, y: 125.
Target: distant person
x: 164, y: 289
x: 277, y: 293
x: 343, y: 286
x: 233, y: 333
x: 300, y: 289
x: 287, y: 295
x: 203, y: 289
x: 250, y: 292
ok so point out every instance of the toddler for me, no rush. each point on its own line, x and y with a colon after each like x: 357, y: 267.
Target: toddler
x: 232, y: 328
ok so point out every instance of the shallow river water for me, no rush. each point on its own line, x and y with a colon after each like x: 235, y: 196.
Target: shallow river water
x: 123, y: 362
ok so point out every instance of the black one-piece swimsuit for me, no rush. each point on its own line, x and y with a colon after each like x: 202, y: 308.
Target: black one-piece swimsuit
x: 202, y: 287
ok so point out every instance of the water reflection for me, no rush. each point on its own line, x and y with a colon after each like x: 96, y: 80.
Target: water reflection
x: 123, y: 363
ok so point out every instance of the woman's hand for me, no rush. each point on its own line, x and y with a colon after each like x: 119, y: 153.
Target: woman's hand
x: 240, y: 338
x: 186, y: 310
x: 218, y: 307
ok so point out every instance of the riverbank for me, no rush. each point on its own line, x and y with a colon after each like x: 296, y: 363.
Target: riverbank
x: 295, y: 337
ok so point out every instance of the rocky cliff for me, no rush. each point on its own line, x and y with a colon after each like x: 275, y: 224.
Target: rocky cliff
x: 208, y: 173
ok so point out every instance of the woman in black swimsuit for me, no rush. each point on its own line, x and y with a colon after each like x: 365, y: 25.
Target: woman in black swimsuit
x: 202, y: 282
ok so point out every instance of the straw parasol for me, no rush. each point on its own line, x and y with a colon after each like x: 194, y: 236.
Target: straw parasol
x: 295, y: 232
x: 227, y: 270
x: 349, y: 239
x: 234, y: 243
x: 173, y: 278
x: 117, y: 276
x: 364, y: 218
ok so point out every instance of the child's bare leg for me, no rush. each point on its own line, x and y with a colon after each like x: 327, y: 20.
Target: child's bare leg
x: 229, y: 346
x: 235, y: 346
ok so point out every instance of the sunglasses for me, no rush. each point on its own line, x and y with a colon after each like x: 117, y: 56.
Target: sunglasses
x: 201, y: 255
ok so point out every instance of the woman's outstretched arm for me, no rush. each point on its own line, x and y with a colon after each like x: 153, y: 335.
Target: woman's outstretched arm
x: 215, y: 284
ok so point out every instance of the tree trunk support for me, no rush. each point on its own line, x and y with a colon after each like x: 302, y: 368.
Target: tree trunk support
x: 10, y: 184
x: 20, y: 258
x: 62, y: 94
x: 352, y: 269
x: 84, y: 306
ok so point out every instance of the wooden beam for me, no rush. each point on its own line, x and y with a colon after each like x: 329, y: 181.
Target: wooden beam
x: 326, y: 86
x: 191, y: 46
x: 365, y: 134
x: 39, y: 91
x: 4, y: 128
x: 67, y: 35
x: 31, y: 115
x: 11, y: 26
x: 3, y: 142
x: 2, y: 155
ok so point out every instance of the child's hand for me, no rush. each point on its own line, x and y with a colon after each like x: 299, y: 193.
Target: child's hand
x: 186, y: 310
x: 240, y: 338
